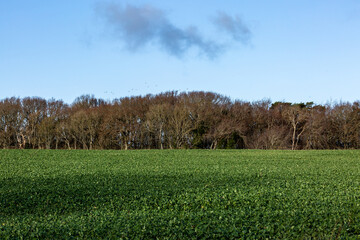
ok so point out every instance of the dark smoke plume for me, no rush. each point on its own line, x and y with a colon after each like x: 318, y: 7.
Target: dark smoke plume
x: 140, y: 26
x: 233, y: 26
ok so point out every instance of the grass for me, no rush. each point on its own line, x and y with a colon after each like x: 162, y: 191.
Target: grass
x: 179, y: 194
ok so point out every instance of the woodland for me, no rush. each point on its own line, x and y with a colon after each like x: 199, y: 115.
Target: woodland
x: 173, y: 120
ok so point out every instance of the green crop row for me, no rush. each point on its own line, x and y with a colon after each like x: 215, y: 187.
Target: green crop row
x: 179, y: 194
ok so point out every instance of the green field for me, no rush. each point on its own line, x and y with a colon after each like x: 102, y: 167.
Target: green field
x: 179, y: 194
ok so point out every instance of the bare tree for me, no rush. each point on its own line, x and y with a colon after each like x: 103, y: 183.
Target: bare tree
x: 177, y: 120
x: 11, y: 123
x: 296, y: 115
x: 157, y: 122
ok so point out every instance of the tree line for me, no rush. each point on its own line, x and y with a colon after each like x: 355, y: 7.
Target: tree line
x: 175, y: 120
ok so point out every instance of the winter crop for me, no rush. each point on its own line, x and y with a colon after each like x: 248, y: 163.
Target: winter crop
x: 179, y: 194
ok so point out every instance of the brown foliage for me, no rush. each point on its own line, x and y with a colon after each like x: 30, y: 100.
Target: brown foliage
x: 177, y: 120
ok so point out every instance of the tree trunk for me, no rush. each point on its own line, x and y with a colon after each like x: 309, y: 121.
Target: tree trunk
x: 293, y: 137
x: 160, y: 138
x: 298, y: 137
x: 213, y: 145
x: 67, y: 142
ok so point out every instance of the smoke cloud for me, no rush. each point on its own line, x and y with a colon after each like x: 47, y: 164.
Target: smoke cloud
x: 144, y: 25
x: 233, y: 26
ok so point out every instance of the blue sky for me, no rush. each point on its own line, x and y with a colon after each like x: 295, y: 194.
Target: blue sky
x: 298, y: 51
